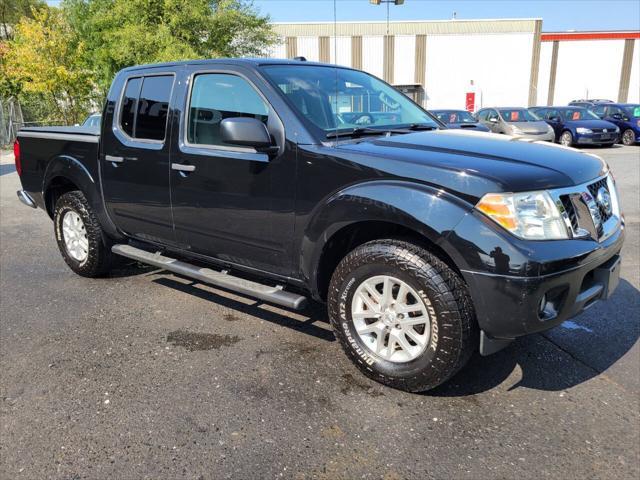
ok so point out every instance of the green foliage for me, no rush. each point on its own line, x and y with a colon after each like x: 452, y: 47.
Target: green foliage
x: 11, y: 11
x: 68, y: 56
x: 43, y: 60
x: 121, y: 33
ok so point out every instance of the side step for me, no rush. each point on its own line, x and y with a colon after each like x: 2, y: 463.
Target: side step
x: 220, y: 279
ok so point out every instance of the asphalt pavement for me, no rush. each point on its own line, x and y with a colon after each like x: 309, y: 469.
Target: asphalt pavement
x: 145, y: 375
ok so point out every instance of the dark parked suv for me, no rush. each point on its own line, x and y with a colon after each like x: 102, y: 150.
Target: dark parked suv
x: 588, y: 103
x: 578, y: 126
x: 626, y: 116
x: 284, y: 180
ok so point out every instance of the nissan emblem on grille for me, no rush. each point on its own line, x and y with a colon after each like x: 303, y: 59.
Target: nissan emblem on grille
x: 604, y: 201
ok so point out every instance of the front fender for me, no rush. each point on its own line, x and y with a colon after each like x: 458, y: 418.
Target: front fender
x: 428, y: 211
x: 73, y: 170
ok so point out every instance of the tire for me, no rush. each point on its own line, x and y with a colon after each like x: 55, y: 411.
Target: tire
x: 450, y: 335
x: 628, y: 137
x: 87, y: 253
x: 566, y: 139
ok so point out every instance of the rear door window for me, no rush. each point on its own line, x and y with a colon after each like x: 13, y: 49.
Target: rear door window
x: 145, y: 107
x: 153, y: 107
x: 129, y: 105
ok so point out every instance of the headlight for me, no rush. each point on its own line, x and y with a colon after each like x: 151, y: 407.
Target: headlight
x: 516, y: 131
x: 583, y: 130
x: 617, y: 130
x: 549, y: 129
x: 529, y: 215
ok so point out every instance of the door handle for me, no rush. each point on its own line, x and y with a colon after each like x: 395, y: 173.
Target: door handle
x: 111, y: 158
x: 182, y: 167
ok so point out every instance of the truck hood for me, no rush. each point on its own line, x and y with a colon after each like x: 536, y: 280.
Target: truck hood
x: 475, y: 163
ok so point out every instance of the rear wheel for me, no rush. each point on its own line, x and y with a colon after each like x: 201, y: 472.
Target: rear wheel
x: 402, y: 315
x: 82, y: 243
x: 628, y: 137
x: 566, y: 139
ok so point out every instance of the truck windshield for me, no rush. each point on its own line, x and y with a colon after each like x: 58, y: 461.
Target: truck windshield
x: 337, y: 98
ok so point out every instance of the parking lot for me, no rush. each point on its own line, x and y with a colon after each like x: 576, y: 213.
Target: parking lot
x: 148, y: 375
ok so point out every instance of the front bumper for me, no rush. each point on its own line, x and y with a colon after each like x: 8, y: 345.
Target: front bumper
x: 597, y: 138
x: 517, y: 306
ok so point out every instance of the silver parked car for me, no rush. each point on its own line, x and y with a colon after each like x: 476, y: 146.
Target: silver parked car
x: 517, y: 121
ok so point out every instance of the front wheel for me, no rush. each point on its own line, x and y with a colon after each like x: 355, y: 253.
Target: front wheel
x: 402, y: 315
x: 82, y: 243
x: 566, y: 139
x: 628, y: 137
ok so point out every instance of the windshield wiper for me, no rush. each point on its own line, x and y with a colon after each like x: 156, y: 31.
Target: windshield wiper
x: 359, y: 131
x: 356, y: 132
x: 421, y: 126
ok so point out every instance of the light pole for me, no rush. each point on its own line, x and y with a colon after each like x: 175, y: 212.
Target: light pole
x: 388, y: 2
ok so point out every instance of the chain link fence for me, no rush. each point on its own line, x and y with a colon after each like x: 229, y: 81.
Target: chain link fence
x: 13, y: 118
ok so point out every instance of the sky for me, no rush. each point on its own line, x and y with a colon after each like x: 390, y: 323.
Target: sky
x: 557, y: 15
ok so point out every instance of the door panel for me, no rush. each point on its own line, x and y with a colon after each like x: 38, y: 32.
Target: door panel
x: 135, y: 161
x: 236, y: 204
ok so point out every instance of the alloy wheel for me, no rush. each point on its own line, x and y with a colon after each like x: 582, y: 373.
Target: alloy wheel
x: 390, y: 318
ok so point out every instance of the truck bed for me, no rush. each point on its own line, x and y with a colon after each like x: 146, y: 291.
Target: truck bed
x: 39, y: 146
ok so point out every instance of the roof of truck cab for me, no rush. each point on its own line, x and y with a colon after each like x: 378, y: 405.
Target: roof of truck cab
x: 247, y: 62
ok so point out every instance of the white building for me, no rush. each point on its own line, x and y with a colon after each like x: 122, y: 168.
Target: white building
x: 506, y: 62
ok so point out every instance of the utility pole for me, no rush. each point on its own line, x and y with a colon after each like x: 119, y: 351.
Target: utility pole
x: 388, y: 2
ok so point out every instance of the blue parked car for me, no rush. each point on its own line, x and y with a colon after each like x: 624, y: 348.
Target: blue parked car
x: 625, y: 115
x: 578, y: 126
x: 459, y: 119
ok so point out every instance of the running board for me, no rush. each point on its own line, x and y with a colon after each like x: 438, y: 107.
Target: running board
x: 220, y: 279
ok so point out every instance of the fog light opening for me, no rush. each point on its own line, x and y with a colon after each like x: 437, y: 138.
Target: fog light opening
x: 542, y: 306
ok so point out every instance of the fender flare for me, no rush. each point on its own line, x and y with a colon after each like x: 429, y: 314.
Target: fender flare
x: 426, y: 210
x: 74, y: 171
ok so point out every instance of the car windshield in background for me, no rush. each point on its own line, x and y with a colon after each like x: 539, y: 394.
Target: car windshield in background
x: 455, y: 116
x: 632, y: 110
x: 518, y: 115
x: 577, y: 114
x: 337, y: 98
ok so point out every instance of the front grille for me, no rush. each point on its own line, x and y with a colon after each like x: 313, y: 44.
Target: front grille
x: 571, y: 211
x: 593, y: 190
x: 584, y: 215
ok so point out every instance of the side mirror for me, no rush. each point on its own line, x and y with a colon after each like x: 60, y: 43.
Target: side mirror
x: 617, y: 116
x: 493, y: 120
x: 247, y: 132
x: 554, y: 118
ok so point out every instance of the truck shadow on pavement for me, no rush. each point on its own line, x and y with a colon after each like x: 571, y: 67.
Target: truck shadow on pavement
x: 314, y: 313
x: 568, y: 355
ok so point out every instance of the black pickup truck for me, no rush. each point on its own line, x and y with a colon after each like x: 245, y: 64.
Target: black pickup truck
x: 285, y: 180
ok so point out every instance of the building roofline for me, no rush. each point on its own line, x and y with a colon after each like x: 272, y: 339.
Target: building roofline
x: 591, y: 35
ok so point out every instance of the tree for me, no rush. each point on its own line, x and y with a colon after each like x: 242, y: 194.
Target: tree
x: 44, y: 60
x: 64, y: 59
x: 11, y: 11
x: 121, y: 33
